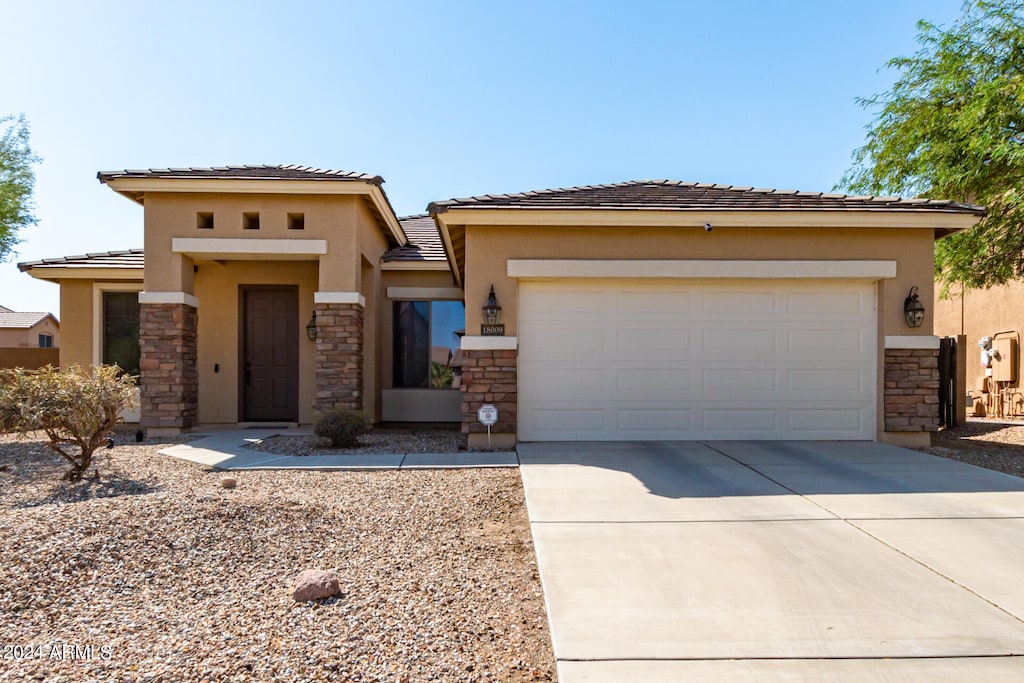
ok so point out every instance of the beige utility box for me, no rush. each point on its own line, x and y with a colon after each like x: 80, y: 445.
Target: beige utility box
x: 1004, y: 360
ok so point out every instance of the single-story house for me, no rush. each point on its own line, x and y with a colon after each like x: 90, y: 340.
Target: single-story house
x: 632, y: 311
x: 28, y: 330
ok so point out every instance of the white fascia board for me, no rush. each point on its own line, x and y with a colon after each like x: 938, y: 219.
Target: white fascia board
x: 490, y: 343
x: 242, y: 248
x: 911, y: 341
x: 703, y: 269
x: 168, y: 298
x: 339, y: 298
x: 449, y: 250
x: 426, y: 293
x: 85, y: 273
x: 623, y: 217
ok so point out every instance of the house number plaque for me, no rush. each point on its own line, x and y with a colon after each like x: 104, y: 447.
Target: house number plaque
x: 492, y: 330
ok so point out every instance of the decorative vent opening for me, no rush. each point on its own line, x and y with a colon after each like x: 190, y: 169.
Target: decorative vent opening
x: 296, y: 221
x: 251, y: 220
x: 204, y: 220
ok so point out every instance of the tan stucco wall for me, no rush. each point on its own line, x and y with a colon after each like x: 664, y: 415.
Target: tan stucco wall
x: 371, y: 245
x: 29, y: 338
x: 76, y: 311
x: 338, y: 219
x: 980, y: 313
x: 217, y: 287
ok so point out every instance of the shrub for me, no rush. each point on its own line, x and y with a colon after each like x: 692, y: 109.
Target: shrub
x: 77, y: 408
x: 339, y: 427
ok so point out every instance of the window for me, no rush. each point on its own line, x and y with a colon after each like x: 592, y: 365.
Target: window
x: 204, y: 220
x: 426, y: 343
x: 121, y: 330
x: 251, y: 220
x: 46, y: 341
x: 296, y: 221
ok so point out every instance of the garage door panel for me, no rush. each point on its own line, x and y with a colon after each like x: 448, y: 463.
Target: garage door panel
x: 732, y: 380
x: 818, y: 420
x: 667, y: 340
x: 697, y: 360
x: 645, y: 380
x: 736, y: 341
x: 651, y: 303
x: 827, y: 302
x: 739, y: 301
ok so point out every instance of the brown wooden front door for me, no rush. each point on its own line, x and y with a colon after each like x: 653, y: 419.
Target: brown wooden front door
x: 270, y: 353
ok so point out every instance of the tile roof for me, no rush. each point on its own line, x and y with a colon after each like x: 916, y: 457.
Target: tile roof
x: 247, y: 171
x: 4, y: 309
x: 424, y: 241
x: 14, y: 320
x: 674, y: 195
x: 130, y: 258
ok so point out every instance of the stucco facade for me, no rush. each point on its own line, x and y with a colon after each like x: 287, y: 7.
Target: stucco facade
x: 326, y: 247
x: 996, y: 312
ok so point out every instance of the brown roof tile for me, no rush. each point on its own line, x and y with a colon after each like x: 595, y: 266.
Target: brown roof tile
x: 252, y: 172
x: 129, y: 258
x: 674, y: 195
x: 424, y: 241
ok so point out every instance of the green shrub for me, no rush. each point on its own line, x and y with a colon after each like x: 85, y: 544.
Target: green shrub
x: 340, y: 427
x: 77, y: 408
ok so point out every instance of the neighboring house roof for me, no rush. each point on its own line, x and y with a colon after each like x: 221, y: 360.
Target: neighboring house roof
x: 674, y: 195
x: 257, y: 171
x: 424, y: 241
x: 15, y: 320
x: 130, y: 259
x: 4, y: 309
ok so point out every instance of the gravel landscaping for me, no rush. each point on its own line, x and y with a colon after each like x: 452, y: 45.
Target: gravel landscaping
x: 167, y: 576
x: 985, y: 443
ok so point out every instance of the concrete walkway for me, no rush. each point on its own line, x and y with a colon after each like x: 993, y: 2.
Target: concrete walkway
x: 776, y: 561
x: 226, y: 449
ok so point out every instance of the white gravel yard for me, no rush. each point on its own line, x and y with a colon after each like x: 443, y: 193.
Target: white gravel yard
x: 374, y: 442
x: 168, y: 577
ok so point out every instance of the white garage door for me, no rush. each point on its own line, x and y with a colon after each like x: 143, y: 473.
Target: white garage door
x: 642, y: 360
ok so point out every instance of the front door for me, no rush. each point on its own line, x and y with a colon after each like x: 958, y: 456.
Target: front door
x: 270, y: 353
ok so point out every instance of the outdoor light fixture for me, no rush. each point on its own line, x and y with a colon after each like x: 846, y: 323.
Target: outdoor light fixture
x: 913, y: 309
x: 492, y: 311
x: 492, y: 317
x: 311, y: 328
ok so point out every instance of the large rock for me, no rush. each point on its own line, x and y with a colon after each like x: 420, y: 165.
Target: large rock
x: 315, y: 584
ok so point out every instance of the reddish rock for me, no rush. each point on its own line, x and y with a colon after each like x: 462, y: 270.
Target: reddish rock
x: 228, y: 483
x: 315, y: 584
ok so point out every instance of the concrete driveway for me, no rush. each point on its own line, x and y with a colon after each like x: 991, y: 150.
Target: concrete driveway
x: 732, y: 561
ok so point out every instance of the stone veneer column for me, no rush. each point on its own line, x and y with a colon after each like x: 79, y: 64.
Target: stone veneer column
x: 169, y: 381
x: 489, y: 376
x: 339, y: 356
x: 911, y: 390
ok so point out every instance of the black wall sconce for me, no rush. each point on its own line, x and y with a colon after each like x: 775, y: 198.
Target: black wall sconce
x: 492, y: 317
x: 913, y: 309
x: 311, y: 328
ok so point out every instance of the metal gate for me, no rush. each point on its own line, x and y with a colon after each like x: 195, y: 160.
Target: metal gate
x: 947, y: 383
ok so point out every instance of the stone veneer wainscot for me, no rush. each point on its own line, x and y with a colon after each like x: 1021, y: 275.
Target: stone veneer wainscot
x: 911, y: 390
x: 169, y: 381
x: 489, y: 376
x: 339, y: 356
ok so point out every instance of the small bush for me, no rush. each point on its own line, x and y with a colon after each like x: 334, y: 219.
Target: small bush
x: 339, y: 427
x: 77, y: 408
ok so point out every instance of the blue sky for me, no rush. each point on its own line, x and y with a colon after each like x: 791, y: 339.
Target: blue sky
x: 442, y: 99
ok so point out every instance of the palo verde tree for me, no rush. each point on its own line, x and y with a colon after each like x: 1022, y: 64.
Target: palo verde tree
x: 952, y: 127
x: 17, y: 180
